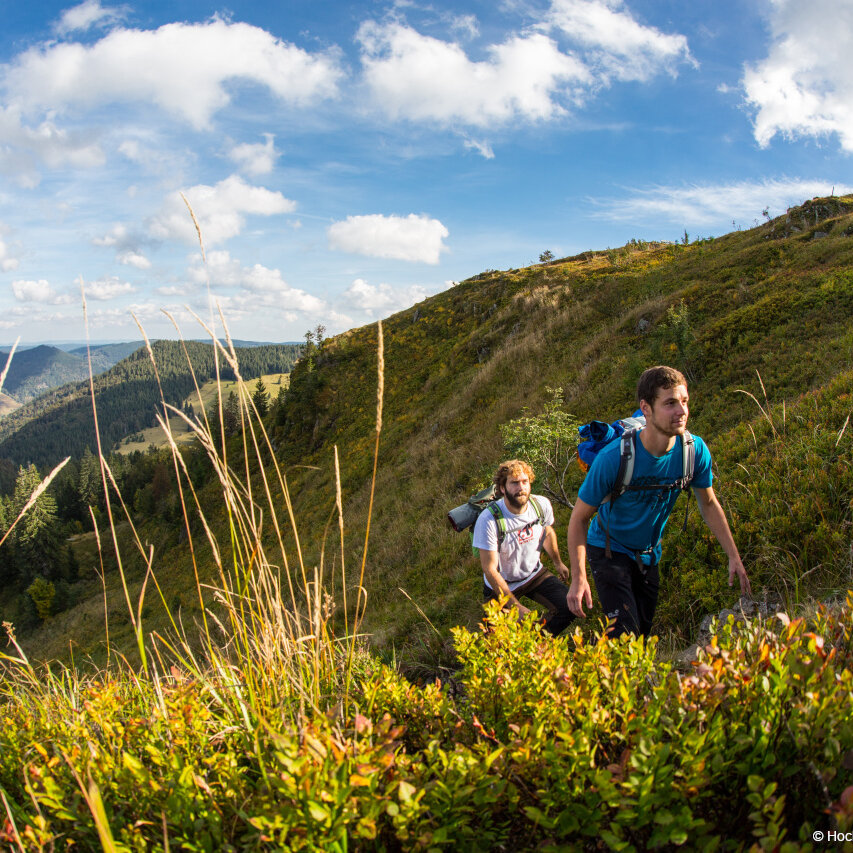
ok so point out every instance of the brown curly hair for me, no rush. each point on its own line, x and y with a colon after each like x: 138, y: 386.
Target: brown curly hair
x: 509, y: 469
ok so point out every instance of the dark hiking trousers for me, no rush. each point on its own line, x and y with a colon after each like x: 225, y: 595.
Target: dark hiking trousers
x: 628, y: 593
x: 549, y: 592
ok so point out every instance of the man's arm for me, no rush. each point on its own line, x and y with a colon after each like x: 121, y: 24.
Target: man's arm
x: 552, y: 549
x: 489, y: 562
x: 579, y: 591
x: 715, y: 518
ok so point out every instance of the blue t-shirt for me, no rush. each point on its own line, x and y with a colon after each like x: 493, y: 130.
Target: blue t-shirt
x: 637, y: 518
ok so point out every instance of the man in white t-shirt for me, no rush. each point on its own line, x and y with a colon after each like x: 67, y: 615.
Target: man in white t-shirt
x: 510, y: 535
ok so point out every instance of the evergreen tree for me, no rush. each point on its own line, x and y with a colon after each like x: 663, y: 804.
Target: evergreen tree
x: 261, y: 398
x: 231, y: 415
x: 37, y: 538
x: 89, y: 482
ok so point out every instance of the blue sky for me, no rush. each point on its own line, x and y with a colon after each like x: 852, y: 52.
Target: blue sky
x: 345, y: 160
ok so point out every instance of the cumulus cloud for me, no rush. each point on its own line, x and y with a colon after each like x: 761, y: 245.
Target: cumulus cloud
x: 405, y: 238
x: 108, y: 287
x: 185, y: 69
x: 134, y: 259
x: 616, y: 45
x: 259, y: 285
x: 221, y: 211
x: 422, y: 78
x: 23, y: 148
x: 85, y: 16
x: 714, y: 204
x: 382, y: 300
x: 255, y: 159
x: 38, y: 291
x: 802, y: 88
x: 127, y: 246
x: 576, y: 47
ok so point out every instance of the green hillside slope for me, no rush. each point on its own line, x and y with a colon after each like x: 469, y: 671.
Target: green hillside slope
x: 775, y: 301
x: 60, y: 423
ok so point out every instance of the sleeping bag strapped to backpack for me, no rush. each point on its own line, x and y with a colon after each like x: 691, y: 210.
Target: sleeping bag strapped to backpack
x: 597, y: 434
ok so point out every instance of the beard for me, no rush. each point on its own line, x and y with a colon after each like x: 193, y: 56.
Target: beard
x: 667, y: 426
x: 516, y: 503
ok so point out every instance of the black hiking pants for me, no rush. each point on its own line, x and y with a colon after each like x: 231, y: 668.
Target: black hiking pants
x: 627, y: 592
x: 549, y: 592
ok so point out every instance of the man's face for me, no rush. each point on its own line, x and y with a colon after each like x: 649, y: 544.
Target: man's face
x: 517, y: 491
x: 669, y: 412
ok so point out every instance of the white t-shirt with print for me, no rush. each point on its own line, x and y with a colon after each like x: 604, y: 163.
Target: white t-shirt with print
x: 518, y: 559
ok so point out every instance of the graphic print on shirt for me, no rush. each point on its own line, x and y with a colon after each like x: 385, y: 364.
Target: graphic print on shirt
x: 525, y: 534
x: 658, y: 498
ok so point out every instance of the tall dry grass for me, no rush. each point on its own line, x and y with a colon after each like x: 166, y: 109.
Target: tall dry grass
x: 264, y: 651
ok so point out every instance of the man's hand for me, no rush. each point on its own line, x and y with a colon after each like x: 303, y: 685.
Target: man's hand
x: 563, y: 571
x: 579, y: 592
x: 736, y: 568
x: 523, y: 612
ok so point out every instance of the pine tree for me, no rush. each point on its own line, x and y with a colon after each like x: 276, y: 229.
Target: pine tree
x: 37, y: 537
x: 231, y: 415
x: 89, y: 483
x: 261, y: 398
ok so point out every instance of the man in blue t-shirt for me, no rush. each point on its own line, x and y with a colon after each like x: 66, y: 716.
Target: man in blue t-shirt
x: 627, y: 578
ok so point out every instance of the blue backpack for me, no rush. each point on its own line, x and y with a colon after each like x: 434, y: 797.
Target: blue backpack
x: 596, y: 435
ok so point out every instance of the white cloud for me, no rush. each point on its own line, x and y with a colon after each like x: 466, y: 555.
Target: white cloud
x: 382, y: 300
x: 802, y: 88
x: 221, y: 211
x: 23, y: 147
x: 8, y: 261
x: 134, y: 259
x: 715, y: 205
x: 422, y: 78
x: 255, y: 159
x: 118, y: 236
x: 466, y: 24
x: 17, y: 316
x: 38, y: 291
x: 259, y: 285
x: 85, y: 16
x: 185, y: 69
x: 480, y: 146
x: 409, y: 238
x: 613, y: 42
x: 108, y: 287
x: 126, y: 246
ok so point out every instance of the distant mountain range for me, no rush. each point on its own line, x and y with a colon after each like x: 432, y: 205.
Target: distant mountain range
x: 58, y: 422
x: 38, y: 369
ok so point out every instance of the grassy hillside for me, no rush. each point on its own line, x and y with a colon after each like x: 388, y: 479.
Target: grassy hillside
x: 205, y: 397
x: 60, y: 423
x: 7, y: 404
x: 773, y: 301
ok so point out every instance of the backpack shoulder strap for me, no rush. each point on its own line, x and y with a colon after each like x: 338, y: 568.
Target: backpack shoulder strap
x: 540, y: 513
x: 688, y: 463
x: 500, y: 521
x: 627, y: 456
x: 624, y: 475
